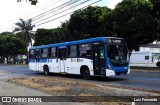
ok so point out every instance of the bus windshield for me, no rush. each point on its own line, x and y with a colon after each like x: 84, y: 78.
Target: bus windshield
x: 118, y: 54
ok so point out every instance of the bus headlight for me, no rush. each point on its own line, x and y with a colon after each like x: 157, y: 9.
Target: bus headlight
x: 129, y: 69
x: 110, y: 67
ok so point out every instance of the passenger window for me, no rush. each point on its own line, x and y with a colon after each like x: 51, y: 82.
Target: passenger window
x: 53, y: 52
x: 31, y: 54
x: 37, y: 53
x: 45, y: 53
x: 73, y: 51
x: 85, y: 50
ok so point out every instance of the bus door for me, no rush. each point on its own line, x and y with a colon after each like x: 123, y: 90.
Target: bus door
x: 37, y: 57
x: 98, y: 59
x: 62, y: 57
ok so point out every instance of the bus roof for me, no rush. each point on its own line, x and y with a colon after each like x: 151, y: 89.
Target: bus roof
x: 103, y: 39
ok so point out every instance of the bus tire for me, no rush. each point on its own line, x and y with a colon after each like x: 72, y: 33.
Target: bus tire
x: 46, y: 70
x: 85, y: 73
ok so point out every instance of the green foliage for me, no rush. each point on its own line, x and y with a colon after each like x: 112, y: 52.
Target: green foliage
x: 156, y: 8
x: 4, y: 33
x: 43, y: 36
x: 156, y: 14
x: 33, y: 2
x: 49, y: 36
x: 24, y: 30
x: 87, y: 23
x: 11, y: 45
x: 82, y: 24
x: 133, y: 21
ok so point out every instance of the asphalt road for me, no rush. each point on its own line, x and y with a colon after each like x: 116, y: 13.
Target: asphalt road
x: 137, y: 79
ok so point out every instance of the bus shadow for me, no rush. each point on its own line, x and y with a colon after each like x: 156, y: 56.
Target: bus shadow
x: 109, y: 79
x: 93, y: 78
x: 79, y: 77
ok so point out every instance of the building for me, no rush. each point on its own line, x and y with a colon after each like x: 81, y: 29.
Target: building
x: 152, y: 47
x: 148, y: 55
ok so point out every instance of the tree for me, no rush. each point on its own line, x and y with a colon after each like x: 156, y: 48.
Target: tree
x: 2, y: 53
x: 63, y: 32
x: 33, y: 2
x: 50, y: 36
x: 87, y: 23
x: 156, y: 13
x: 11, y: 45
x: 24, y: 29
x: 43, y: 36
x: 156, y: 8
x: 132, y: 20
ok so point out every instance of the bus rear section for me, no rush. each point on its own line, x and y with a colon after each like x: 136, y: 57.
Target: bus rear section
x: 90, y: 57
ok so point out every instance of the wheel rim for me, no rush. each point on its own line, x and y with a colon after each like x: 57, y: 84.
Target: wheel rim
x: 46, y: 71
x: 86, y: 74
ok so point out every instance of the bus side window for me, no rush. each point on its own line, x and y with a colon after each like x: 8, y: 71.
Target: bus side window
x: 72, y: 51
x: 31, y: 54
x: 85, y: 50
x: 37, y: 54
x: 45, y: 53
x: 53, y: 52
x: 62, y: 54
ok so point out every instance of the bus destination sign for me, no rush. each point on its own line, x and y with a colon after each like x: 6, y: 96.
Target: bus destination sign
x: 119, y: 41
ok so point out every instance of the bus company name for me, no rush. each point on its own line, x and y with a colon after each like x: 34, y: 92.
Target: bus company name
x: 80, y: 60
x: 77, y: 60
x: 73, y: 60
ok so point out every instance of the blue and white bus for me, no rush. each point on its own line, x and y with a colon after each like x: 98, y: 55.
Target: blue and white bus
x: 101, y: 56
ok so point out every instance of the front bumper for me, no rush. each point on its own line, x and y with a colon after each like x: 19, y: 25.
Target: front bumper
x: 110, y: 73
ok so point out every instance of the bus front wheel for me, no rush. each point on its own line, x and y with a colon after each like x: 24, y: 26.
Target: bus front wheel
x: 46, y: 70
x: 86, y: 73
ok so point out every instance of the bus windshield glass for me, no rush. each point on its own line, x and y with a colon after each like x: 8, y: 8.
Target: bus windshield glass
x: 117, y: 52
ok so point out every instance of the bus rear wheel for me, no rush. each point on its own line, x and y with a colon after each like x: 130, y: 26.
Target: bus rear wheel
x: 86, y: 73
x: 46, y: 70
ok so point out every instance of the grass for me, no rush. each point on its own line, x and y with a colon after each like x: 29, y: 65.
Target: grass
x: 45, y: 83
x: 61, y: 86
x: 51, y: 84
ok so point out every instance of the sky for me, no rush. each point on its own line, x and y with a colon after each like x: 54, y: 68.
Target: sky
x: 11, y: 11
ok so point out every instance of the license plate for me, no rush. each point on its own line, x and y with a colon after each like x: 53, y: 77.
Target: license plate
x: 121, y: 73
